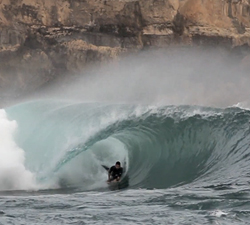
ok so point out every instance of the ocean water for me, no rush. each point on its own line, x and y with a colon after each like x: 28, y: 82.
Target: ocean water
x: 185, y: 164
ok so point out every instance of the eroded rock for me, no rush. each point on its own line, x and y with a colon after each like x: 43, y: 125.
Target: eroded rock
x: 43, y: 39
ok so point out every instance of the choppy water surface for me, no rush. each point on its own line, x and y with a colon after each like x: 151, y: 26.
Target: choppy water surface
x: 172, y: 206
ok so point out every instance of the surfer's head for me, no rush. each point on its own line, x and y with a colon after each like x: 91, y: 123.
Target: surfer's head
x: 117, y: 164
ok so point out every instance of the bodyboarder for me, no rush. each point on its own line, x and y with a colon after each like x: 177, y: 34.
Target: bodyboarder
x: 115, y: 172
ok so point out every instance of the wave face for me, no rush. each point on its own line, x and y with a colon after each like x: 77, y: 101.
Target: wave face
x: 66, y: 143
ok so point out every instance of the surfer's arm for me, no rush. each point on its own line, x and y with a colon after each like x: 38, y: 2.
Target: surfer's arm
x: 109, y: 173
x: 120, y: 175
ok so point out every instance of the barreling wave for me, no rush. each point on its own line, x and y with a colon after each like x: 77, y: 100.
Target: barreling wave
x: 66, y: 143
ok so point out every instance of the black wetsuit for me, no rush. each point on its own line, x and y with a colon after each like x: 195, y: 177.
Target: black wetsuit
x: 115, y: 173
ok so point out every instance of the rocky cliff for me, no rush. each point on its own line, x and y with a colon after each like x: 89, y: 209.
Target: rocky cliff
x: 44, y: 39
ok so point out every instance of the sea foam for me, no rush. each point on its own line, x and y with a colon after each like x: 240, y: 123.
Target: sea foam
x: 13, y: 174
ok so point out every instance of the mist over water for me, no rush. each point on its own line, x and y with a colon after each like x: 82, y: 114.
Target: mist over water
x: 173, y: 77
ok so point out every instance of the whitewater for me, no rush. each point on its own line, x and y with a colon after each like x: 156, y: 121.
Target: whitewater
x: 187, y: 156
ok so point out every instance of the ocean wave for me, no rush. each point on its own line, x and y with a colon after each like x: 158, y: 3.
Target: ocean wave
x: 66, y: 143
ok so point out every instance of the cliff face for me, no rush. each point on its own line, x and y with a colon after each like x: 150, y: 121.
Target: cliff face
x: 42, y: 39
